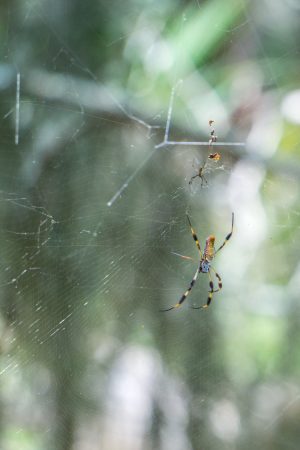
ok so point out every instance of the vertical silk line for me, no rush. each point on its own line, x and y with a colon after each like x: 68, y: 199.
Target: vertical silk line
x: 17, y: 109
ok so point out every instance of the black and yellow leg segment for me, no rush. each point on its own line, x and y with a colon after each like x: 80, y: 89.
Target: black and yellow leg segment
x: 195, y: 237
x: 210, y: 294
x: 220, y: 284
x: 211, y: 291
x: 227, y: 237
x: 184, y: 296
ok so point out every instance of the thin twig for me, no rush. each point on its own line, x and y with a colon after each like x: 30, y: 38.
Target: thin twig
x: 200, y: 144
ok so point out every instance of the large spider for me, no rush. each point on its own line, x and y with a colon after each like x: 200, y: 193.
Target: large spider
x: 204, y: 266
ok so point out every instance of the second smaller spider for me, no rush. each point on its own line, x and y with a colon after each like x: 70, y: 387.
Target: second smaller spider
x: 200, y: 174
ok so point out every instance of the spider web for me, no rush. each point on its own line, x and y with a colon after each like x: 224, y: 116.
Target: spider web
x: 94, y: 196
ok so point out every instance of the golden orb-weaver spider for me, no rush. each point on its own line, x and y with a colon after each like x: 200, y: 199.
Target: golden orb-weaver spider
x: 204, y: 266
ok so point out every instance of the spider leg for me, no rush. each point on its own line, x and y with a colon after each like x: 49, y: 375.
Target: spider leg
x: 191, y: 180
x: 227, y: 237
x: 184, y: 257
x: 196, y: 163
x: 184, y: 296
x: 195, y: 237
x: 211, y: 291
x: 220, y: 284
x: 203, y: 180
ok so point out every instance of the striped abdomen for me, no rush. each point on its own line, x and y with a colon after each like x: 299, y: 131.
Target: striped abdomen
x: 209, y: 250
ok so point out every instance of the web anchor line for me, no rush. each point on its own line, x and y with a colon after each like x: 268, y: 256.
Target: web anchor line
x: 17, y: 120
x: 199, y: 144
x: 130, y: 178
x: 166, y: 143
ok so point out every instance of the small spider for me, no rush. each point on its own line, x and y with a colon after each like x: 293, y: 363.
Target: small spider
x: 204, y: 266
x: 211, y: 156
x: 200, y: 175
x: 214, y: 156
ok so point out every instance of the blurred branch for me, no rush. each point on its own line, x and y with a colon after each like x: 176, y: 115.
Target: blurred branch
x: 89, y: 97
x: 94, y: 100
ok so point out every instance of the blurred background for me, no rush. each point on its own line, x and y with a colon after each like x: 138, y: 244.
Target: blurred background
x: 92, y: 212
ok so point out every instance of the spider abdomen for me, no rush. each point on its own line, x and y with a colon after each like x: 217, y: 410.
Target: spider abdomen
x: 209, y: 250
